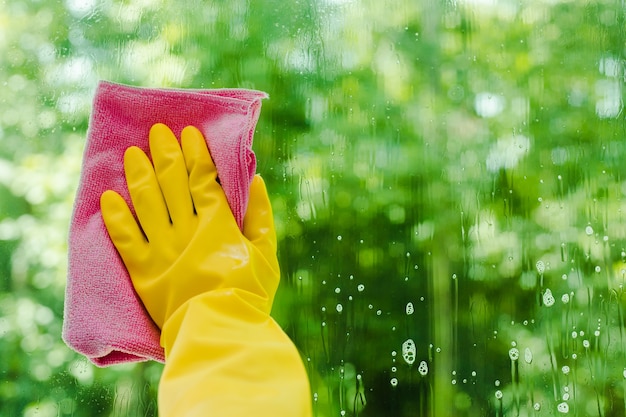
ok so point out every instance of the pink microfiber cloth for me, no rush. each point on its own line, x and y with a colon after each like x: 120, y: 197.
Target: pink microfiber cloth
x: 104, y: 319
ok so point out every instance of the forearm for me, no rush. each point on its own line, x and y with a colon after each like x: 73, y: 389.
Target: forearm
x: 227, y: 358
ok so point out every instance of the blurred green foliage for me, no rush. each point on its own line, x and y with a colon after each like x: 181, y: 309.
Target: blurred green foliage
x: 449, y: 173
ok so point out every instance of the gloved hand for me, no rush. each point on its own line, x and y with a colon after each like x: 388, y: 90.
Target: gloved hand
x: 207, y: 285
x: 187, y: 242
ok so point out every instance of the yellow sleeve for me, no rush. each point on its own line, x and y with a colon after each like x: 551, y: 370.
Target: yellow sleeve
x: 225, y: 357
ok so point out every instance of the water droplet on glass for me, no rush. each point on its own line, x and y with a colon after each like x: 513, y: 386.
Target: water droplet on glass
x: 394, y: 382
x: 586, y: 344
x: 409, y: 309
x: 339, y: 237
x: 565, y: 370
x: 566, y: 396
x: 409, y: 351
x: 548, y: 298
x: 537, y: 406
x: 565, y: 298
x: 563, y: 408
x: 497, y: 383
x: 528, y: 355
x: 339, y: 308
x: 514, y: 354
x: 598, y: 269
x: 423, y: 368
x: 588, y: 230
x: 541, y: 267
x: 499, y: 394
x: 360, y: 287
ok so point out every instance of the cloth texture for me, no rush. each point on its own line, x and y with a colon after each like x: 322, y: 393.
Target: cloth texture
x: 104, y: 318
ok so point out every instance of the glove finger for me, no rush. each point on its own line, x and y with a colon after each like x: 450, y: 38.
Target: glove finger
x: 258, y: 223
x: 171, y: 172
x: 123, y: 230
x: 145, y: 193
x: 206, y: 192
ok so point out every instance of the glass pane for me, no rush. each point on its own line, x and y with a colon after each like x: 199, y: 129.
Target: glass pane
x: 447, y: 177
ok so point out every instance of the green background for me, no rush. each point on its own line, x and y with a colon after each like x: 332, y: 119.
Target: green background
x: 450, y: 172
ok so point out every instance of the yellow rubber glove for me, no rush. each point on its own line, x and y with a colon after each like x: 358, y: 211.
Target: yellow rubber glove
x: 207, y: 285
